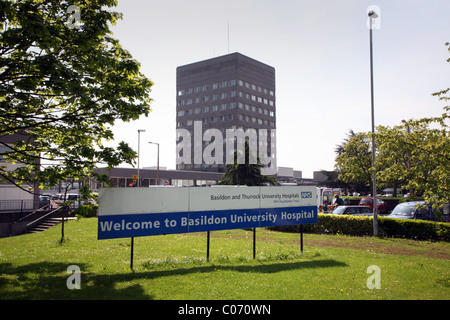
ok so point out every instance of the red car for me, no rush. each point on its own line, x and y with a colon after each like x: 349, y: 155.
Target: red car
x: 381, y: 205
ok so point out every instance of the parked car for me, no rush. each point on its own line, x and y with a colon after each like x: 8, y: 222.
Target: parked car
x: 381, y: 205
x: 44, y: 200
x: 59, y: 198
x: 353, y: 210
x: 411, y: 210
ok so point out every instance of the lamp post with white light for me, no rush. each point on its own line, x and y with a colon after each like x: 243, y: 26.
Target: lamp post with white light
x: 373, y: 15
x: 157, y: 165
x: 139, y: 146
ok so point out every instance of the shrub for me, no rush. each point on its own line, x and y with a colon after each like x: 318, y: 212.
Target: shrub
x: 363, y: 226
x: 86, y: 210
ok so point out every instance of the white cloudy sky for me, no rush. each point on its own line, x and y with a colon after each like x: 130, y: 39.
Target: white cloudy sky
x: 320, y: 50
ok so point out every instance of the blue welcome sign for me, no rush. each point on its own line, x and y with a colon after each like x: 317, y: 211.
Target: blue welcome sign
x: 139, y: 212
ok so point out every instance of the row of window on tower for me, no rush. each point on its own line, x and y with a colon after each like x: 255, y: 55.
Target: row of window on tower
x: 225, y: 95
x: 225, y: 106
x: 225, y: 84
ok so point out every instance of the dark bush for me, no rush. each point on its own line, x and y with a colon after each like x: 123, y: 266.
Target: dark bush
x: 86, y: 210
x: 363, y: 226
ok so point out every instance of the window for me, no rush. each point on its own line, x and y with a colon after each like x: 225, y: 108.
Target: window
x: 223, y: 95
x: 272, y: 113
x: 206, y: 109
x: 189, y: 123
x: 181, y: 92
x: 223, y: 106
x: 180, y: 113
x: 232, y: 83
x: 197, y: 89
x: 215, y: 86
x: 197, y: 110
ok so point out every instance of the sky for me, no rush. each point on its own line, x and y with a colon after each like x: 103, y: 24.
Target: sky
x: 320, y: 52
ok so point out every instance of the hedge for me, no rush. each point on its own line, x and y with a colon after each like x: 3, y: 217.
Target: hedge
x: 363, y: 226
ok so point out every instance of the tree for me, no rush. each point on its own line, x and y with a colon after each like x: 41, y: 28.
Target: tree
x: 63, y: 87
x: 354, y: 160
x: 425, y: 145
x: 245, y: 173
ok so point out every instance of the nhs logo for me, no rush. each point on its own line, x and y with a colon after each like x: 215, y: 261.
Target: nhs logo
x: 306, y: 194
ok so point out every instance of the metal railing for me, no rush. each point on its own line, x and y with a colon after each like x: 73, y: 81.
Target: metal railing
x: 17, y: 205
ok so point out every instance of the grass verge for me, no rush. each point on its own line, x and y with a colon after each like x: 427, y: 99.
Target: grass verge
x: 35, y: 266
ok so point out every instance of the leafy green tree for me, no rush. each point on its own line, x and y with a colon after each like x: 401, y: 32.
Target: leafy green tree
x: 63, y: 84
x: 244, y: 173
x: 354, y: 160
x: 419, y: 153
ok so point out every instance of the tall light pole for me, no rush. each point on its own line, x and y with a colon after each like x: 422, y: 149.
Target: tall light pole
x: 409, y: 154
x: 139, y: 147
x: 373, y: 15
x: 157, y: 166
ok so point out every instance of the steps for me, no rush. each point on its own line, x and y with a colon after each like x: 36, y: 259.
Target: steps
x: 47, y: 223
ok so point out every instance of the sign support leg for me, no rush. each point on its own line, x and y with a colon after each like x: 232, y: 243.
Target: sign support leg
x: 301, y: 238
x: 208, y: 236
x: 132, y: 251
x: 254, y: 243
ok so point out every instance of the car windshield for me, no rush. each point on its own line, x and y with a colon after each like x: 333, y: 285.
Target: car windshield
x: 366, y: 201
x: 339, y: 210
x: 407, y: 210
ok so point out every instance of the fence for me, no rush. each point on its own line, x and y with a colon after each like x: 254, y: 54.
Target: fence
x: 17, y: 205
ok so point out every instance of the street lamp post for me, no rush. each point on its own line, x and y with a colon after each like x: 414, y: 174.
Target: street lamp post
x: 139, y: 146
x: 157, y: 165
x: 409, y: 154
x: 373, y: 15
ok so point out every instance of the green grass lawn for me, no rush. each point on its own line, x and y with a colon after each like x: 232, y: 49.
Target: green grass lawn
x: 35, y: 266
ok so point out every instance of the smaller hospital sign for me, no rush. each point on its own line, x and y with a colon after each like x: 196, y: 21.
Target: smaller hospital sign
x: 126, y: 212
